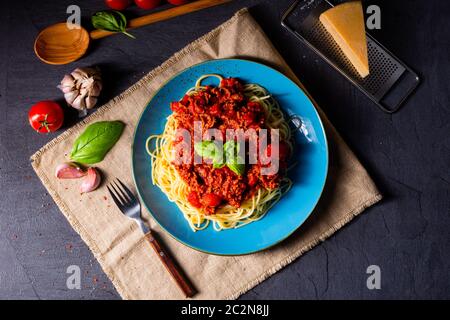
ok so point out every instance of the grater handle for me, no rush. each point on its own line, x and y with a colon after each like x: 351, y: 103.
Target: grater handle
x: 393, y: 100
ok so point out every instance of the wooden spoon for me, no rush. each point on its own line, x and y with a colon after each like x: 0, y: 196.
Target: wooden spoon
x: 59, y: 44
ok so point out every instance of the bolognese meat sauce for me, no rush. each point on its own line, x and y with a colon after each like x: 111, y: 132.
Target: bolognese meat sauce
x: 223, y: 107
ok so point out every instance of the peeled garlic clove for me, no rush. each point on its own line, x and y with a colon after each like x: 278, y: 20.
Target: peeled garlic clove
x: 91, y: 181
x: 69, y: 170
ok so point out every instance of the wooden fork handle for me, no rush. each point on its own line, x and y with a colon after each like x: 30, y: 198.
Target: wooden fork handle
x: 173, y: 269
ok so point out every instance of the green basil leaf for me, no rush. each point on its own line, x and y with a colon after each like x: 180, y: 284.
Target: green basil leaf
x: 231, y: 149
x: 219, y: 159
x: 206, y: 149
x: 95, y: 142
x: 236, y: 165
x: 106, y: 21
x: 210, y: 151
x: 114, y: 21
x: 121, y: 21
x: 217, y: 165
x: 200, y: 146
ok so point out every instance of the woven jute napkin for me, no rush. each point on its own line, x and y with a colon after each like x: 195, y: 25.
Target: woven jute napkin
x: 119, y: 245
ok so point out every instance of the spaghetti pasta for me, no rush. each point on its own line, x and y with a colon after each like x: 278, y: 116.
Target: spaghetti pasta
x: 166, y: 176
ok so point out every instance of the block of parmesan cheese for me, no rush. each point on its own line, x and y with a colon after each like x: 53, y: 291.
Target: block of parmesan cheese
x: 345, y: 23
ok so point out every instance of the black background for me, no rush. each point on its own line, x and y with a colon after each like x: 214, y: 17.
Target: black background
x: 407, y: 154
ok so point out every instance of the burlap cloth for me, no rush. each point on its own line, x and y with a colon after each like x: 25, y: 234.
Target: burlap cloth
x: 119, y: 245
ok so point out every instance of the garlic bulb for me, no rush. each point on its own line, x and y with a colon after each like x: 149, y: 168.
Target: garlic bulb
x: 82, y: 87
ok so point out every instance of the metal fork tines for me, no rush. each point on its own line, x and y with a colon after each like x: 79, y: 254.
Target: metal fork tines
x: 127, y: 202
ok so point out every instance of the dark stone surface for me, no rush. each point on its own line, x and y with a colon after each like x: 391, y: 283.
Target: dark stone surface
x: 408, y: 154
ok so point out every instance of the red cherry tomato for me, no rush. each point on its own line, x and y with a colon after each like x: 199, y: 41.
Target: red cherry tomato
x: 211, y: 200
x: 177, y: 2
x: 46, y: 116
x: 118, y: 4
x: 147, y: 4
x: 194, y: 200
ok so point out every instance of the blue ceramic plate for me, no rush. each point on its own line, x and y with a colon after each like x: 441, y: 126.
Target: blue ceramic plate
x: 308, y: 175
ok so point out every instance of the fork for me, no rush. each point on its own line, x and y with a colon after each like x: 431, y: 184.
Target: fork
x: 131, y: 207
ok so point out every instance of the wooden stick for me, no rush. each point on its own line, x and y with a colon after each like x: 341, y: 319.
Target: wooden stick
x: 161, y: 16
x: 171, y: 267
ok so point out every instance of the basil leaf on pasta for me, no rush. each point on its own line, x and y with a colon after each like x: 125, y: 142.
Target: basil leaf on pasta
x: 218, y: 165
x: 236, y: 165
x: 231, y: 149
x: 206, y: 149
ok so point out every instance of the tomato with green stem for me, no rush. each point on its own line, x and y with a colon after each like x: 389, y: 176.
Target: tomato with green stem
x: 46, y: 116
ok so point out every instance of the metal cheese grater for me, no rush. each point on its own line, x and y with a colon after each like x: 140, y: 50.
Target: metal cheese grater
x: 390, y: 81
